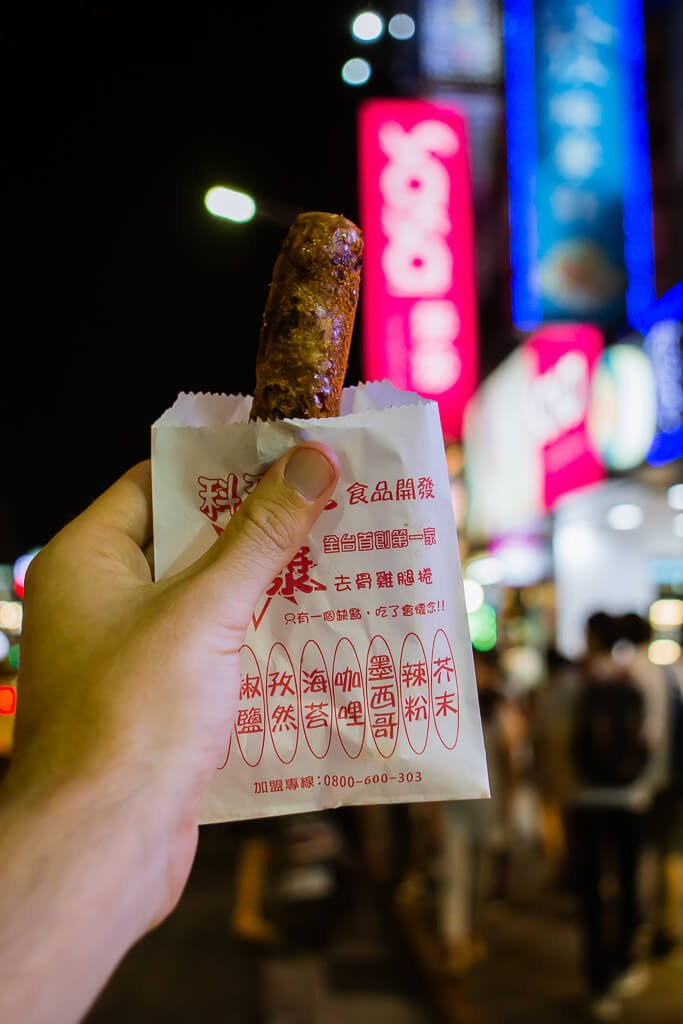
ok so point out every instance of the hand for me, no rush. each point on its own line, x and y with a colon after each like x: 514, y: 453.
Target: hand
x: 128, y: 687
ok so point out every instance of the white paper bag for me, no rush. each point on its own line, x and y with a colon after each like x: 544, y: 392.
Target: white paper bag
x: 357, y: 678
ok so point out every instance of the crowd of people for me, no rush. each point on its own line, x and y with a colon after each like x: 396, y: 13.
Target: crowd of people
x: 609, y: 747
x: 597, y: 748
x: 586, y: 768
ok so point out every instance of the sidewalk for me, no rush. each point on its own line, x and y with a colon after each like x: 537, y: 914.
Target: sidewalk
x: 532, y: 972
x: 192, y: 968
x: 364, y: 976
x: 378, y: 963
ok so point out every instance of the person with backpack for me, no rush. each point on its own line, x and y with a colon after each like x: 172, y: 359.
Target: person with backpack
x: 665, y: 820
x: 610, y: 756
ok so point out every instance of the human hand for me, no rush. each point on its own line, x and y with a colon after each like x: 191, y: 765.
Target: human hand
x: 130, y: 687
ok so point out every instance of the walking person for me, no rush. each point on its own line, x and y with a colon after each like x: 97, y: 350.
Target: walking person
x: 474, y: 842
x: 611, y: 756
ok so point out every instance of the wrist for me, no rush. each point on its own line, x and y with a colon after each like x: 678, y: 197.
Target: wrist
x: 128, y: 825
x: 90, y: 872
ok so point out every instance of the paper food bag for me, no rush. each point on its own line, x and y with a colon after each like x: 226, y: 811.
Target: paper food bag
x: 357, y: 679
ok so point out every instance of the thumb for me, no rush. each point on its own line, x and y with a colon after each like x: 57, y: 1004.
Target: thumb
x: 267, y: 531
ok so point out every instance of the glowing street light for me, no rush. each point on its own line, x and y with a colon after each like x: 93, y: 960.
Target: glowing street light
x: 229, y: 204
x: 401, y: 26
x: 356, y: 71
x: 367, y: 26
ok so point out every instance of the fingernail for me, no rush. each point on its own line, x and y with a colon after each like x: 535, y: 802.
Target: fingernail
x: 309, y: 472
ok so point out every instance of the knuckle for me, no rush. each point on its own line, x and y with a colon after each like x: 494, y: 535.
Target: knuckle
x: 271, y: 524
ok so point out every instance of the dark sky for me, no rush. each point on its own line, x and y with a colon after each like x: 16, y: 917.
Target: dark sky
x: 119, y: 289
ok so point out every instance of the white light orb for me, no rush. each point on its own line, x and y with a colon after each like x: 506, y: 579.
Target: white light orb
x: 229, y: 204
x: 401, y: 26
x: 474, y: 595
x: 487, y: 571
x: 576, y: 543
x: 664, y: 652
x: 11, y: 614
x: 666, y: 613
x: 367, y: 26
x: 674, y: 497
x: 356, y: 71
x: 624, y: 517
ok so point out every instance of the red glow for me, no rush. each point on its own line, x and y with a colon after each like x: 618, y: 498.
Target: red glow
x: 8, y: 700
x: 419, y: 301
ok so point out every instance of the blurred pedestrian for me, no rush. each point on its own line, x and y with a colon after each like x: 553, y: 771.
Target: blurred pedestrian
x: 553, y: 763
x: 475, y: 832
x: 612, y: 760
x: 249, y: 919
x: 664, y: 696
x: 667, y: 828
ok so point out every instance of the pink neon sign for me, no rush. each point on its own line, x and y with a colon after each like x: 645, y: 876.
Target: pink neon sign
x: 562, y: 358
x: 419, y: 290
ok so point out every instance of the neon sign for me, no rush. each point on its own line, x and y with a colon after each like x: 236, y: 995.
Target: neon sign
x: 419, y: 302
x: 662, y: 326
x: 581, y: 243
x: 528, y: 439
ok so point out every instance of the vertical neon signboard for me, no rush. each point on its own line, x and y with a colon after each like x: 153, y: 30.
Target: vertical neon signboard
x: 419, y: 288
x: 578, y: 161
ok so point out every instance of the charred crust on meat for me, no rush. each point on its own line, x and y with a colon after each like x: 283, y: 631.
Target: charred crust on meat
x: 308, y: 319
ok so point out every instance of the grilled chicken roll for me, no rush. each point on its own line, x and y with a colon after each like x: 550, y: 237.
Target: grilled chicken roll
x: 308, y: 320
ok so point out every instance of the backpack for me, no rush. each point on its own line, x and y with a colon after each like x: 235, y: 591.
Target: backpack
x: 609, y: 746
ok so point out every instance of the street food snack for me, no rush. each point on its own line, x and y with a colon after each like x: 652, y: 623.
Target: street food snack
x: 308, y: 320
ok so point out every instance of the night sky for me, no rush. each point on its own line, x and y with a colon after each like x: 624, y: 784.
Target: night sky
x: 119, y: 288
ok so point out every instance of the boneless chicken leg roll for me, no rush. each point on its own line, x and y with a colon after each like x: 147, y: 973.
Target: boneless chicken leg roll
x: 305, y: 337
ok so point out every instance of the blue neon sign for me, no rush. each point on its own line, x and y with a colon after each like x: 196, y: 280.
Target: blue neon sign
x: 578, y: 161
x: 662, y: 326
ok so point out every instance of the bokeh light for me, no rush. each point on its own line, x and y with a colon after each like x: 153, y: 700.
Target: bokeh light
x: 356, y: 71
x: 666, y: 613
x: 483, y: 631
x: 624, y: 517
x: 230, y: 204
x: 674, y: 497
x: 20, y: 568
x: 8, y: 700
x: 474, y: 595
x: 664, y: 652
x: 11, y: 615
x: 487, y: 570
x: 401, y: 26
x: 367, y: 26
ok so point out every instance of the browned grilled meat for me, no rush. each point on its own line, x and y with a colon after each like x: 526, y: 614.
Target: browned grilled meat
x: 308, y: 320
